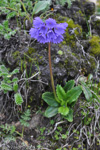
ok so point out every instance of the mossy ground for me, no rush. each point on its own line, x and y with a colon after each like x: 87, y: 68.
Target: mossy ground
x: 95, y: 45
x: 69, y: 38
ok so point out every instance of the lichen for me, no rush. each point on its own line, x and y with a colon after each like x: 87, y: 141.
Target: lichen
x: 95, y: 45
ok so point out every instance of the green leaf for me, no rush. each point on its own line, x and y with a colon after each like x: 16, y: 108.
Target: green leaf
x: 69, y: 85
x: 18, y: 99
x: 73, y: 94
x: 23, y: 14
x: 13, y: 129
x: 24, y: 123
x: 60, y: 92
x: 9, y: 81
x: 51, y: 111
x: 1, y: 27
x: 49, y: 98
x: 90, y: 77
x: 15, y: 79
x: 3, y: 74
x: 69, y: 117
x: 6, y: 87
x: 15, y: 71
x: 11, y: 14
x: 86, y: 91
x: 7, y: 36
x: 3, y: 69
x: 63, y: 110
x: 15, y: 87
x: 11, y: 33
x: 5, y: 23
x: 40, y: 6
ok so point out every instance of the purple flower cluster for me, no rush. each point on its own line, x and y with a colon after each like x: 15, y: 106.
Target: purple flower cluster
x: 48, y: 31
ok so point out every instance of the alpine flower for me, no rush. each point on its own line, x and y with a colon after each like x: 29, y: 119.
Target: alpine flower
x: 48, y: 31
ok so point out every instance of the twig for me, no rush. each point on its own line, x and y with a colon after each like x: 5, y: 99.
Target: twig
x: 56, y: 127
x: 29, y: 78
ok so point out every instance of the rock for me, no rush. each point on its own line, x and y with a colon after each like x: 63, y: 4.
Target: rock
x: 89, y: 8
x: 35, y: 121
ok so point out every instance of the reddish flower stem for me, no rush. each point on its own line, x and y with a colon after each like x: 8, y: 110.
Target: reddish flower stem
x: 50, y: 67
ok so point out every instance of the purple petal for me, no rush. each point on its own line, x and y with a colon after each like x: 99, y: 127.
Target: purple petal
x: 58, y: 39
x: 59, y: 29
x: 43, y: 29
x: 51, y: 34
x: 34, y: 33
x: 41, y: 39
x: 64, y: 25
x: 50, y: 23
x: 37, y: 22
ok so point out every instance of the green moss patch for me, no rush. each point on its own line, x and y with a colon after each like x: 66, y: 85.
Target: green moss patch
x: 95, y: 45
x: 70, y: 38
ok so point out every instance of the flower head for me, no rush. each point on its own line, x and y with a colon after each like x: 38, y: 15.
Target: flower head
x: 48, y: 31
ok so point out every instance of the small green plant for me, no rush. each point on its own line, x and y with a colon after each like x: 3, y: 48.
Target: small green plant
x: 24, y: 120
x: 6, y: 31
x: 8, y: 132
x: 9, y: 83
x: 52, y: 122
x: 90, y: 89
x: 68, y: 95
x: 64, y: 102
x: 38, y: 146
x: 19, y: 9
x: 42, y: 130
x: 57, y: 135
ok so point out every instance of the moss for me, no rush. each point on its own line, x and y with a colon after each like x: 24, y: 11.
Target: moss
x: 64, y: 42
x: 31, y: 51
x: 74, y: 54
x: 96, y: 24
x: 16, y: 54
x: 69, y: 39
x: 80, y: 12
x: 66, y: 62
x: 95, y: 45
x: 93, y: 63
x: 28, y: 59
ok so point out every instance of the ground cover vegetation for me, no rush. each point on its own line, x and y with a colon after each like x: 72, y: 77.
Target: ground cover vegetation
x: 49, y: 75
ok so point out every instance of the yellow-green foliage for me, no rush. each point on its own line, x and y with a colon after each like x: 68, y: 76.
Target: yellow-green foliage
x: 78, y: 30
x: 95, y: 45
x: 31, y: 51
x: 70, y: 39
x: 80, y: 12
